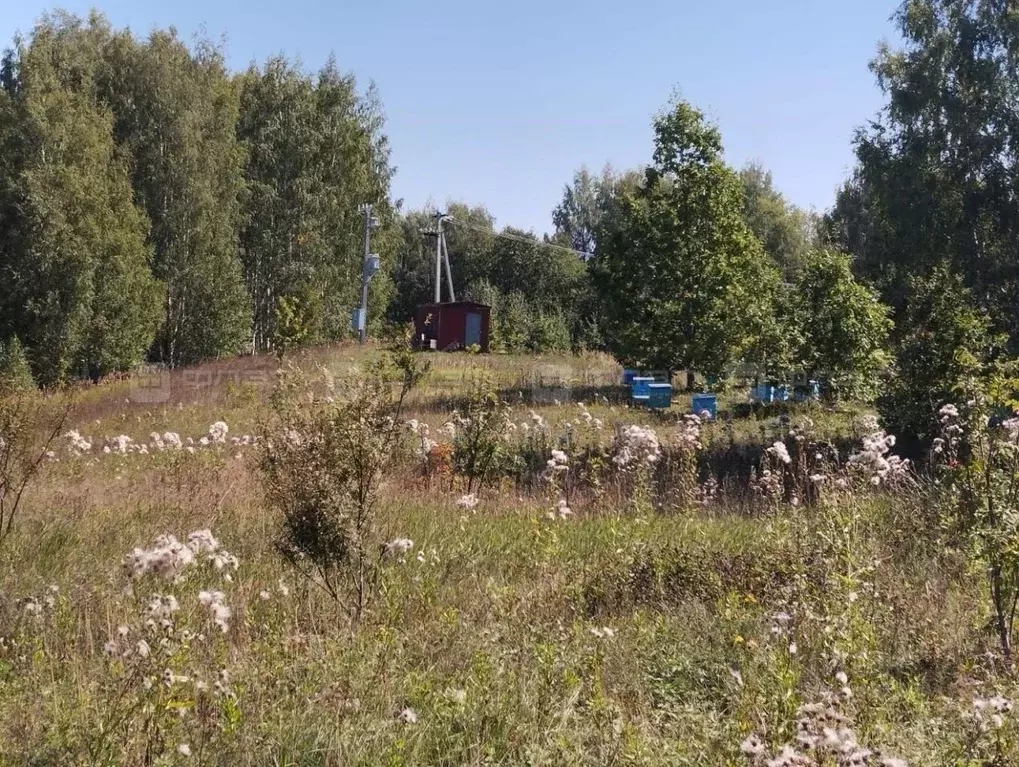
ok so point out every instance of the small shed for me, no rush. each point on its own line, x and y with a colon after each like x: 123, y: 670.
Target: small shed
x: 452, y: 325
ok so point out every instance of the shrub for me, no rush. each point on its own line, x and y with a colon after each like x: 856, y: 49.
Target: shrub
x: 323, y: 462
x: 479, y: 430
x: 981, y: 458
x: 944, y: 340
x: 28, y: 427
x: 15, y: 372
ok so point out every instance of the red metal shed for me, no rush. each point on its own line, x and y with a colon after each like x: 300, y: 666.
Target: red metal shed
x: 452, y: 325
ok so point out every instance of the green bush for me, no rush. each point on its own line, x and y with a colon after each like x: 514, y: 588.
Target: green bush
x: 944, y: 340
x: 15, y: 372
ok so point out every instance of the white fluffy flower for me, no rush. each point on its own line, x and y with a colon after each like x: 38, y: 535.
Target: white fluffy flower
x: 398, y: 546
x: 408, y: 716
x: 635, y: 445
x: 214, y: 600
x: 468, y: 502
x: 780, y: 452
x: 218, y: 432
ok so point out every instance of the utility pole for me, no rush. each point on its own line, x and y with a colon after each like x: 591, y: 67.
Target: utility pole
x: 441, y: 256
x: 449, y: 272
x: 438, y: 258
x: 369, y: 266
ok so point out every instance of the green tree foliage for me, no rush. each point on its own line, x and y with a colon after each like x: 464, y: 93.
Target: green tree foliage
x: 15, y: 372
x: 782, y: 228
x: 535, y: 287
x: 175, y: 112
x: 586, y: 204
x: 843, y: 326
x: 78, y: 285
x: 683, y: 281
x: 314, y: 156
x: 945, y: 341
x: 935, y: 182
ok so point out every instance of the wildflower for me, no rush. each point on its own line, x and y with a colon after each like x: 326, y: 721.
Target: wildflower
x: 218, y: 432
x: 220, y: 611
x: 221, y: 687
x: 752, y: 746
x: 184, y: 749
x: 162, y: 607
x: 468, y: 502
x: 398, y: 546
x: 79, y: 444
x: 948, y: 412
x: 121, y: 445
x: 559, y: 462
x: 224, y: 559
x: 283, y: 588
x: 167, y: 558
x: 264, y: 595
x: 604, y: 632
x: 779, y: 451
x: 876, y: 460
x: 142, y: 649
x: 561, y: 510
x: 635, y: 445
x: 788, y: 757
x: 408, y: 716
x: 202, y: 540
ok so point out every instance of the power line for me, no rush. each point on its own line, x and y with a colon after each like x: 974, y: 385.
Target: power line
x: 519, y: 238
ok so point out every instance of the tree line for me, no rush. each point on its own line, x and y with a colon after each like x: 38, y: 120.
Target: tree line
x: 155, y: 206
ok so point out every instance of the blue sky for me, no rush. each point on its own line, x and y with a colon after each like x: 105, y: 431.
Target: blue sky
x: 499, y: 102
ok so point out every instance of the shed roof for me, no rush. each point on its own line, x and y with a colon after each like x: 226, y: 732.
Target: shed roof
x: 473, y: 304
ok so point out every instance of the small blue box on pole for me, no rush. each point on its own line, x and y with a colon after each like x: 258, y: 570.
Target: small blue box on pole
x: 660, y: 396
x: 705, y: 402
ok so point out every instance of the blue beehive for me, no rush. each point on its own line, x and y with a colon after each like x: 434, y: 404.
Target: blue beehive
x: 762, y: 393
x: 702, y: 402
x: 628, y: 374
x: 781, y: 393
x: 640, y: 390
x: 659, y: 395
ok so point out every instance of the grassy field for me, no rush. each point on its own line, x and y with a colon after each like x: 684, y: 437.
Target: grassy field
x: 660, y: 623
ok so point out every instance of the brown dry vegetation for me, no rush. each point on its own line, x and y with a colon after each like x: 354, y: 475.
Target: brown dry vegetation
x: 491, y: 630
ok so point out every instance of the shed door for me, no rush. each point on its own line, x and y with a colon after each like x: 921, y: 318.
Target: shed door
x: 472, y: 335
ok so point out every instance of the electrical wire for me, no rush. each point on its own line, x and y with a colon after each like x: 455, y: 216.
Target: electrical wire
x: 519, y: 238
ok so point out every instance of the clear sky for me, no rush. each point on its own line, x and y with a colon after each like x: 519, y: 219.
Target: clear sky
x: 499, y: 102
